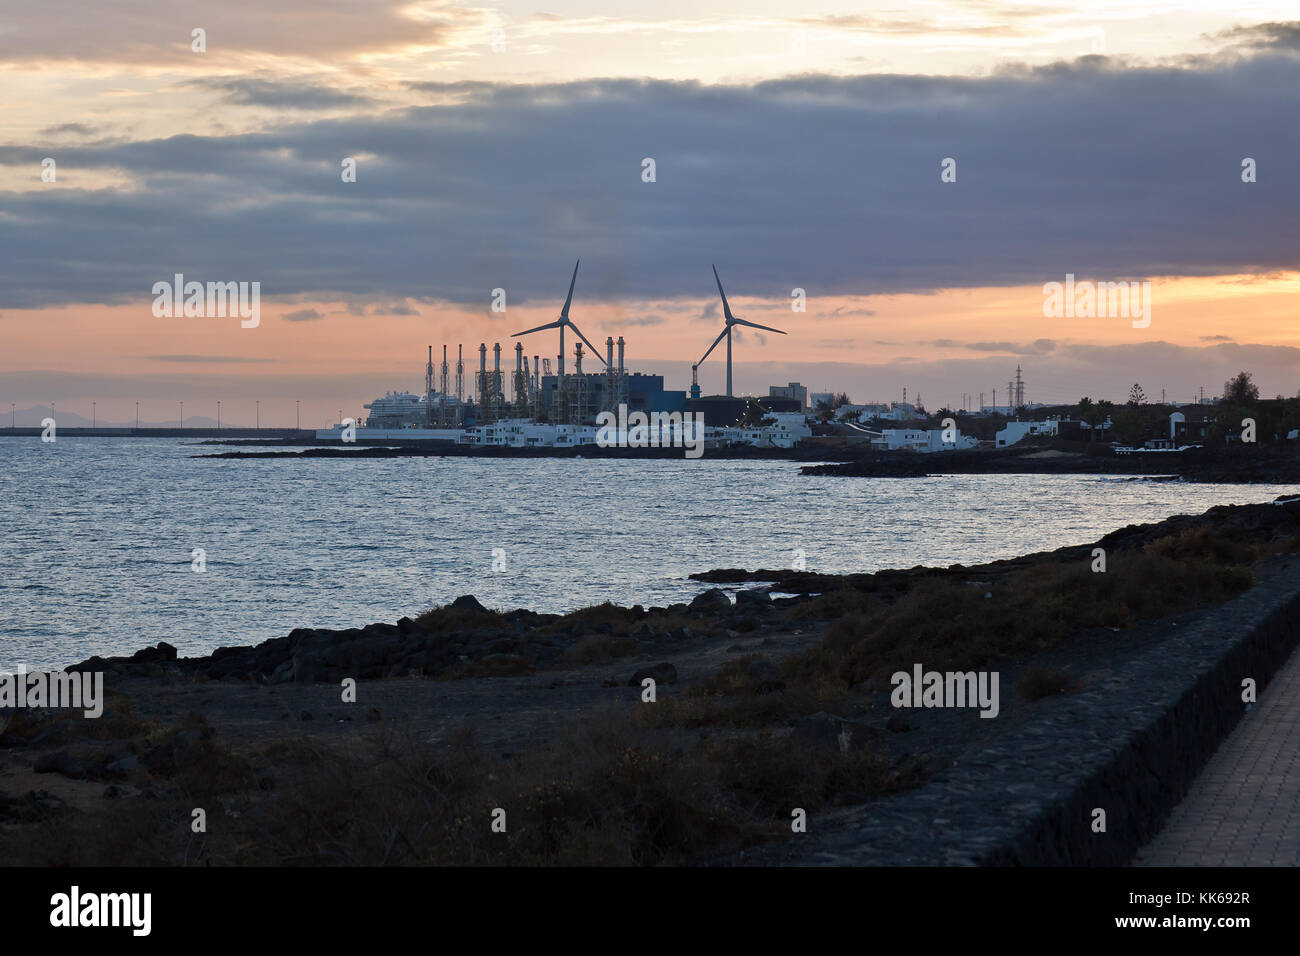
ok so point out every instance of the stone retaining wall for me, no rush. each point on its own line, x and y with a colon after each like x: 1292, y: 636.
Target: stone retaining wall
x: 1131, y: 745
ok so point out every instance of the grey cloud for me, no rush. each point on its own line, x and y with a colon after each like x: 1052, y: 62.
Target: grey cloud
x: 206, y: 359
x: 1285, y: 36
x: 280, y: 94
x: 155, y: 32
x: 504, y: 186
x: 393, y: 308
x: 303, y: 315
x: 64, y: 129
x: 1037, y: 347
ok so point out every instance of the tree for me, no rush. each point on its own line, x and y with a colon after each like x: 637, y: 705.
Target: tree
x: 1240, y: 389
x: 1091, y: 415
x: 1136, y: 396
x: 1104, y: 409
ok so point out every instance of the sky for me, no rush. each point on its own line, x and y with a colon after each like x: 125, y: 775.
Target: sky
x: 796, y: 146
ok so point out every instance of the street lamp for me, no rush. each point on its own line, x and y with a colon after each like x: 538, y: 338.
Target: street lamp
x: 182, y: 414
x: 137, y: 416
x: 92, y: 414
x: 297, y: 415
x: 259, y: 415
x: 218, y: 415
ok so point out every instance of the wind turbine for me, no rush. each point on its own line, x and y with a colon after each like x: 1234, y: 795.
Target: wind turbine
x: 726, y: 332
x: 564, y: 322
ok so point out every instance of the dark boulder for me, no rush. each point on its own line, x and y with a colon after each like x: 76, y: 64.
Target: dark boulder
x: 755, y: 599
x: 712, y: 601
x: 662, y: 673
x: 61, y: 763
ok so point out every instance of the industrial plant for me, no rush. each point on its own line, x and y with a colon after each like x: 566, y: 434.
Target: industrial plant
x: 537, y: 405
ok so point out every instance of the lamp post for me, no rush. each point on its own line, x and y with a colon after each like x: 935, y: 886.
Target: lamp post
x: 182, y: 414
x: 218, y: 415
x: 92, y: 415
x: 297, y: 414
x: 259, y: 416
x: 137, y: 416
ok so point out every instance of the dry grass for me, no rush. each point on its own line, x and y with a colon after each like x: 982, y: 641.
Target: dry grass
x: 600, y: 649
x: 951, y: 624
x: 607, y: 792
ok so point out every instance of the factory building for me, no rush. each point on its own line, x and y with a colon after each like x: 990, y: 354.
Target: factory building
x: 793, y: 390
x: 645, y: 393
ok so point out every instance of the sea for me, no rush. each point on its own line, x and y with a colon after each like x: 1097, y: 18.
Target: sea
x: 108, y: 545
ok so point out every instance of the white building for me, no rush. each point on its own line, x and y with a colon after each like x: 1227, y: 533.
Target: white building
x: 785, y: 431
x: 922, y: 440
x: 1017, y: 430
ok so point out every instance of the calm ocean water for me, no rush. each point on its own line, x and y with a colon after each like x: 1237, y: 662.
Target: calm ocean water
x: 96, y: 535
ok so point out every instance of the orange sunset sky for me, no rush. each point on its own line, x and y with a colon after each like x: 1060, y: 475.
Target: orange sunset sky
x: 794, y: 146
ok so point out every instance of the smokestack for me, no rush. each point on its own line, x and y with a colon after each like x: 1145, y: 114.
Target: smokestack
x: 537, y: 373
x: 482, y: 357
x: 620, y: 353
x: 609, y: 352
x: 496, y: 357
x: 577, y: 359
x: 460, y: 373
x: 519, y: 356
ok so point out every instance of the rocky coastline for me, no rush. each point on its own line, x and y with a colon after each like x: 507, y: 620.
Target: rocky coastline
x: 775, y: 699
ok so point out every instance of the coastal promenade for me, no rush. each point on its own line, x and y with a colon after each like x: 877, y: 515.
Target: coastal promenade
x: 1244, y: 808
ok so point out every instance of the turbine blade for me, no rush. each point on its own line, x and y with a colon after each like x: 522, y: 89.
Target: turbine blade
x: 721, y: 335
x: 755, y: 325
x: 548, y: 325
x: 564, y: 314
x: 726, y: 309
x: 593, y: 348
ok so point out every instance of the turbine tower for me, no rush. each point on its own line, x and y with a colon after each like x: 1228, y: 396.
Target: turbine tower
x: 562, y: 323
x: 726, y: 332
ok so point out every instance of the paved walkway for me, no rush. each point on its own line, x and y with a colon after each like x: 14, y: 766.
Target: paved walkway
x: 1244, y: 808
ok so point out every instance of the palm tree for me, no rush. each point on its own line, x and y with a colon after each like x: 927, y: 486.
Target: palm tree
x: 1090, y: 415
